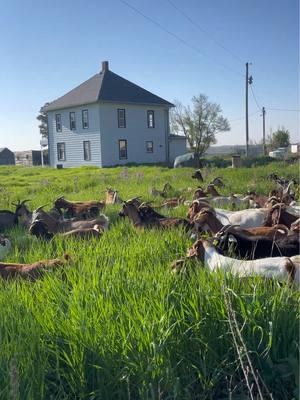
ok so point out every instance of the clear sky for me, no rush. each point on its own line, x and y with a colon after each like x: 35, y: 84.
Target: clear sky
x: 48, y: 48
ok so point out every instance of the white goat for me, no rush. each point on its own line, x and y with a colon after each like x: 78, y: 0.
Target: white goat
x: 249, y: 218
x: 221, y: 201
x: 282, y: 268
x: 5, y: 246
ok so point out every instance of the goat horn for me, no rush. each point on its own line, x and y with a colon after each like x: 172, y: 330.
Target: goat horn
x: 287, y: 190
x: 24, y: 201
x: 40, y: 207
x: 224, y: 229
x: 278, y: 205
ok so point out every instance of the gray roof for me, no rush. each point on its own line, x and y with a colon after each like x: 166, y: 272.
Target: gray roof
x: 108, y: 87
x: 4, y: 148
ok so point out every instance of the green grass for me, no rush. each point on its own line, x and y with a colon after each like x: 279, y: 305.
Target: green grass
x: 116, y: 324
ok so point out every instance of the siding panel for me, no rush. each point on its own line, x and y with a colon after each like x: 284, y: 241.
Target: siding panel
x: 136, y: 133
x: 74, y: 139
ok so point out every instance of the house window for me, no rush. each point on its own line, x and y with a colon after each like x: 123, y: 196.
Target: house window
x: 149, y: 147
x: 121, y: 118
x: 87, y: 150
x: 72, y: 121
x: 150, y: 118
x: 122, y: 149
x: 85, y: 119
x: 61, y: 151
x: 58, y: 122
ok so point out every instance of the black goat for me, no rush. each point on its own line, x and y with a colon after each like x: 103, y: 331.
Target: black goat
x: 254, y: 247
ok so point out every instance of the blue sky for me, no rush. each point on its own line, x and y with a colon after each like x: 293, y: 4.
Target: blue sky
x: 47, y: 48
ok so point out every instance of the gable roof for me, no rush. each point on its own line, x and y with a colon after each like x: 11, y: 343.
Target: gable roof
x: 4, y: 148
x: 107, y: 87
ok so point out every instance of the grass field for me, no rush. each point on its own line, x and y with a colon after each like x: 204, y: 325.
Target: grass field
x: 117, y: 324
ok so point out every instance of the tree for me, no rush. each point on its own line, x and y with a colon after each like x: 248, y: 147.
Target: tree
x: 280, y: 138
x: 43, y: 126
x: 199, y: 124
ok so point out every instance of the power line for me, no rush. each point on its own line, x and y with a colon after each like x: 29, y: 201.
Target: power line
x: 282, y: 109
x: 205, y: 31
x: 255, y: 99
x: 194, y: 48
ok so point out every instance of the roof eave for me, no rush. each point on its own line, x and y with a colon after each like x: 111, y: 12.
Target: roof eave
x: 56, y: 108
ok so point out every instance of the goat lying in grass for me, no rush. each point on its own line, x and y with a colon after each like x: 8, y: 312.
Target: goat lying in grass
x: 39, y: 229
x: 250, y: 218
x: 281, y: 214
x: 206, y: 220
x: 31, y: 271
x: 5, y: 246
x: 82, y: 209
x: 44, y: 222
x: 144, y: 216
x: 243, y: 244
x: 282, y: 268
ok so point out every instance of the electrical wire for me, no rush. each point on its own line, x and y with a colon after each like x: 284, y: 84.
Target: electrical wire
x: 192, y: 47
x: 254, y: 97
x: 205, y: 31
x: 282, y: 109
x: 241, y: 118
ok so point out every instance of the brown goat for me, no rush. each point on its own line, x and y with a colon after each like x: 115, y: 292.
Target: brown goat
x: 31, y: 271
x: 142, y: 218
x: 279, y: 215
x: 89, y: 208
x: 195, y: 207
x: 174, y: 202
x: 212, y: 190
x: 206, y: 220
x: 199, y: 192
x: 112, y: 196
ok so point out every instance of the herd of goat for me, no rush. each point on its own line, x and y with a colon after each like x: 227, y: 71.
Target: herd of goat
x: 262, y: 239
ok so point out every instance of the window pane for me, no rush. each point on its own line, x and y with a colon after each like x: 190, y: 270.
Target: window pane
x: 61, y: 154
x: 87, y: 150
x: 85, y: 119
x: 121, y: 118
x: 150, y: 118
x: 72, y: 121
x: 149, y: 147
x: 58, y: 122
x: 123, y: 149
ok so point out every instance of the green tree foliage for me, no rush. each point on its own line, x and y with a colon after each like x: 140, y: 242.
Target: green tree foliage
x: 199, y: 123
x: 43, y: 126
x: 280, y: 138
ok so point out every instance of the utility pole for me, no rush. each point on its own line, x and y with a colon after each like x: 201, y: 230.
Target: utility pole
x: 249, y: 81
x: 264, y: 130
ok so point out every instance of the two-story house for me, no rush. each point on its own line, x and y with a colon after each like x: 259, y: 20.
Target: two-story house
x: 107, y: 121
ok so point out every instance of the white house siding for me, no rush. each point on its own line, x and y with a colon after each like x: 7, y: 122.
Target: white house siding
x: 177, y: 147
x: 74, y: 139
x: 136, y: 133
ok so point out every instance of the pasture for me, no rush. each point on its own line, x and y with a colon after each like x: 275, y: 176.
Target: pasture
x: 116, y: 324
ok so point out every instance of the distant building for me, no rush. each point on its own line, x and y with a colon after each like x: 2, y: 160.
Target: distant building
x: 7, y: 157
x: 28, y: 158
x: 295, y: 148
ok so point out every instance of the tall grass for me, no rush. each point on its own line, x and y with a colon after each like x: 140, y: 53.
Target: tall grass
x: 116, y: 324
